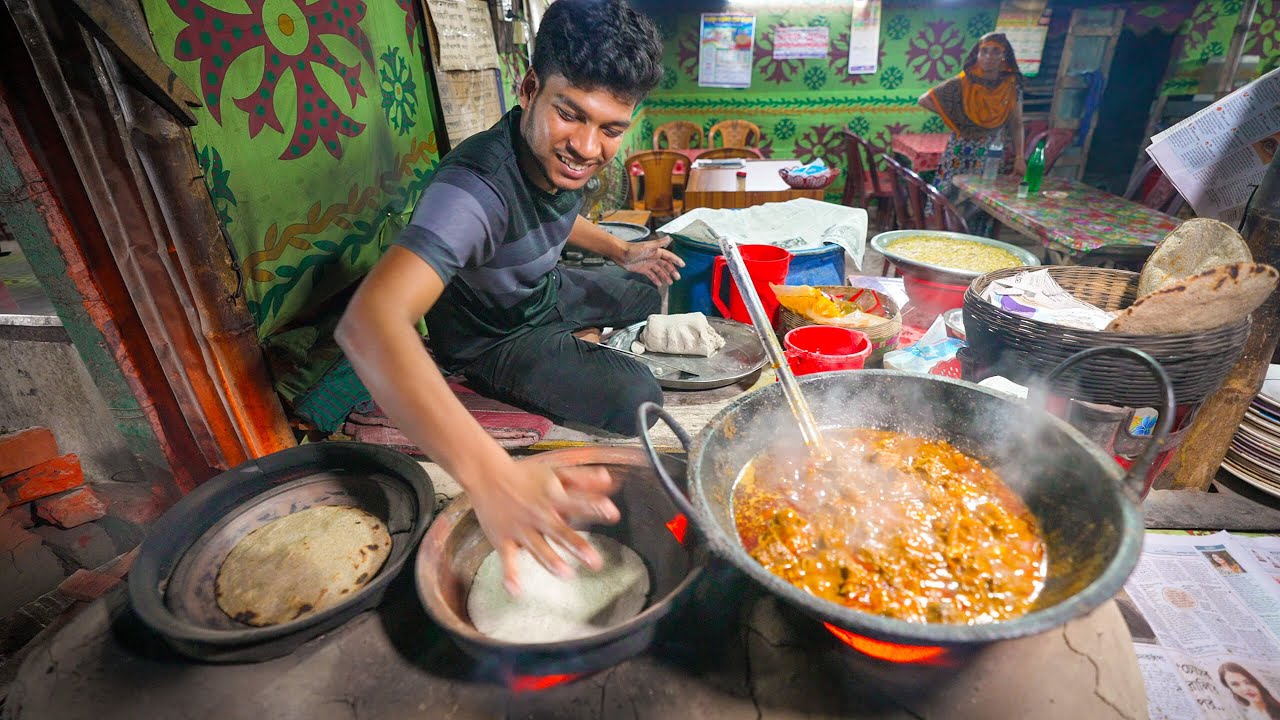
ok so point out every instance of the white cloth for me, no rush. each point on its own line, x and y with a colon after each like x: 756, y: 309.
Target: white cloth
x: 682, y: 334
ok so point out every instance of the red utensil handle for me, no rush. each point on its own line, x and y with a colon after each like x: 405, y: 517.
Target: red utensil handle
x: 718, y: 266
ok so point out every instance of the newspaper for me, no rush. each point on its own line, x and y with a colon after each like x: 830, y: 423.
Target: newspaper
x: 1216, y: 157
x: 799, y: 224
x: 1204, y: 613
x: 1035, y: 294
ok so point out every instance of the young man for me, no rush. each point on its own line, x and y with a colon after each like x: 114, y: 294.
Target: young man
x: 479, y: 260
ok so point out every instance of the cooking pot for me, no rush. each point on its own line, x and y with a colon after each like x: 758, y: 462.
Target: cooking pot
x: 1087, y: 508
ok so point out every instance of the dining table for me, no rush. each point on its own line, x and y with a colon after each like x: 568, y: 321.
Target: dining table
x: 922, y: 150
x: 717, y: 187
x: 1068, y: 217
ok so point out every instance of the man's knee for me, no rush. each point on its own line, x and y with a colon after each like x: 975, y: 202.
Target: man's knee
x: 627, y: 399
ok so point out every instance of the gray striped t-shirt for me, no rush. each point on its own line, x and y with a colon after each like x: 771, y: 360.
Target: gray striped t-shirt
x: 493, y: 237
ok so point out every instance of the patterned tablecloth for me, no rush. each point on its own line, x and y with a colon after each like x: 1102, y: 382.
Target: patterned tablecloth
x: 924, y: 150
x: 1067, y: 216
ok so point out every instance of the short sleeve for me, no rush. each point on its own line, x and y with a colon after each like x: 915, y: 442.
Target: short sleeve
x: 458, y: 223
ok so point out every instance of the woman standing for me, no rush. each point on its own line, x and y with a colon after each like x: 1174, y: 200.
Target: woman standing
x: 980, y: 104
x: 1255, y: 699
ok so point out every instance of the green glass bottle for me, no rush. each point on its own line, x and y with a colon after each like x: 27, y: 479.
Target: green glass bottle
x: 1035, y: 169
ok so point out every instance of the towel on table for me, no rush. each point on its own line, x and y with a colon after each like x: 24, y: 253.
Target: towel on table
x: 510, y: 426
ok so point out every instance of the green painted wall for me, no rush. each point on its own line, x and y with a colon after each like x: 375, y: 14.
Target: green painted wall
x: 801, y: 105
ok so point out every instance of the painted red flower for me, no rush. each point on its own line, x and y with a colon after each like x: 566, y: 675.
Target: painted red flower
x: 687, y: 50
x: 410, y: 8
x: 820, y: 141
x: 936, y: 51
x: 1201, y: 24
x: 293, y: 40
x: 774, y: 71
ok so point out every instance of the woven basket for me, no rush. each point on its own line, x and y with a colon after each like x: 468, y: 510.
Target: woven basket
x: 1022, y: 349
x: 883, y: 335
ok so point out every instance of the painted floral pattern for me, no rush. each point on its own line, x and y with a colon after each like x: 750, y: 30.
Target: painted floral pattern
x: 933, y: 124
x: 891, y: 78
x: 898, y: 27
x: 820, y: 141
x: 784, y: 129
x: 860, y: 125
x: 1201, y: 24
x: 399, y: 92
x: 980, y: 25
x: 815, y: 77
x: 410, y: 8
x: 1212, y: 50
x: 293, y: 42
x: 767, y: 68
x: 936, y: 51
x: 217, y: 179
x: 687, y: 55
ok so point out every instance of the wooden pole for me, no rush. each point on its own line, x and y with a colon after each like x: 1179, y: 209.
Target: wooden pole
x: 1208, y: 437
x: 1236, y: 48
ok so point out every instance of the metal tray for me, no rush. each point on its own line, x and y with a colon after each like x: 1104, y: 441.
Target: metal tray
x: 741, y: 356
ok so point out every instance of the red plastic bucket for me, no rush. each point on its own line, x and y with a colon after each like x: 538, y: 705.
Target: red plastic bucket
x: 931, y: 299
x: 821, y: 348
x: 765, y: 264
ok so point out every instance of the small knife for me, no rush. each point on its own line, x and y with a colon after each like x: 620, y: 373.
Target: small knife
x: 684, y: 374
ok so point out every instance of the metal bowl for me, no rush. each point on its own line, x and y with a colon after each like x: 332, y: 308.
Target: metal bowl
x: 651, y: 525
x: 171, y: 584
x: 941, y: 273
x: 628, y: 232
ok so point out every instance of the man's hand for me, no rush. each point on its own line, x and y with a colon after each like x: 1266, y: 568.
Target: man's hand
x: 535, y: 503
x: 651, y: 259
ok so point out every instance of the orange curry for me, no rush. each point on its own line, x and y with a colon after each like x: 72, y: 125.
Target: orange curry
x: 894, y: 525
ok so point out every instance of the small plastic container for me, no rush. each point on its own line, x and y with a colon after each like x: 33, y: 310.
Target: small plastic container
x: 742, y: 181
x: 822, y: 348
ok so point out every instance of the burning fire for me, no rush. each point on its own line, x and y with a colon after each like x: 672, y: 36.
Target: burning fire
x: 538, y: 683
x: 678, y: 525
x: 889, y: 652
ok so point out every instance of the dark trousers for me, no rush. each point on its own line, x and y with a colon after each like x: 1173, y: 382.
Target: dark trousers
x: 549, y: 371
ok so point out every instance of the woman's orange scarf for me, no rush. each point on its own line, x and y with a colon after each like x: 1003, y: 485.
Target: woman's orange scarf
x: 968, y: 106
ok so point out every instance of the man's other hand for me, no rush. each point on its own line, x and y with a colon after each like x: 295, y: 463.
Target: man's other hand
x: 652, y: 259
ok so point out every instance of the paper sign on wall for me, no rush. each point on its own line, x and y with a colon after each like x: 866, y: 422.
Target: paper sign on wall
x: 800, y: 43
x: 464, y: 34
x: 470, y: 101
x: 727, y: 47
x: 1026, y: 24
x: 864, y: 37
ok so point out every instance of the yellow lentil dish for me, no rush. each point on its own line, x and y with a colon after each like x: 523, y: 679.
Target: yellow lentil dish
x: 953, y: 253
x: 895, y: 525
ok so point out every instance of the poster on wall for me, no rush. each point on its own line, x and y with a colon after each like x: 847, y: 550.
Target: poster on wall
x: 727, y: 50
x: 864, y: 37
x: 471, y: 101
x: 1026, y: 24
x: 801, y: 43
x: 464, y: 34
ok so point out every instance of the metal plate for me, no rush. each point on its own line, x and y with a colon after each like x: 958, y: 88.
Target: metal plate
x: 628, y: 232
x: 939, y: 273
x: 741, y: 356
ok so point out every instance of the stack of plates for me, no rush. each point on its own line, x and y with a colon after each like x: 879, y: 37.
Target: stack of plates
x: 1254, y: 455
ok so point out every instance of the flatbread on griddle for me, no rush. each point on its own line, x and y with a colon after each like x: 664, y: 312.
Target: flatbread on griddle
x: 1197, y: 245
x: 1217, y: 297
x: 301, y: 563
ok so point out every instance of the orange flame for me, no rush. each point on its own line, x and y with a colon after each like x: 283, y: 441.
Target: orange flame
x: 536, y: 683
x: 889, y: 652
x: 678, y: 525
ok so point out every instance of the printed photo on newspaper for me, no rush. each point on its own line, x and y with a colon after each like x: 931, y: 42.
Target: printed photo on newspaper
x: 1204, y: 614
x: 1215, y: 157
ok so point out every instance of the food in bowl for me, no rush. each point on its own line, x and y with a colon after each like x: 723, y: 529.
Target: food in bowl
x: 953, y: 253
x: 893, y: 525
x: 301, y: 564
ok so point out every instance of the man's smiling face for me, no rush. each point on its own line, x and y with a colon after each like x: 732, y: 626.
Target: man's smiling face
x: 572, y: 133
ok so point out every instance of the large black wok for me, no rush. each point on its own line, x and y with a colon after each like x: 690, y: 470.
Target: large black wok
x: 1086, y: 506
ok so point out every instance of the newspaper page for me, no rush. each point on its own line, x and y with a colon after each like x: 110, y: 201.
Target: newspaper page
x: 1204, y: 614
x: 470, y: 100
x: 1216, y: 157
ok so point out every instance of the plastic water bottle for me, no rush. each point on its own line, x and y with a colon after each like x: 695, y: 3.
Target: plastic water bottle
x: 995, y: 156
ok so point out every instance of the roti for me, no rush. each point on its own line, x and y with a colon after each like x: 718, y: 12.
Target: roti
x: 1211, y: 299
x: 1197, y: 245
x: 554, y: 609
x: 300, y: 564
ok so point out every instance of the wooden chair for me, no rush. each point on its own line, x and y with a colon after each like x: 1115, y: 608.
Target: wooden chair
x: 680, y: 135
x: 730, y: 153
x: 1057, y: 140
x: 657, y: 196
x: 917, y: 205
x: 1150, y: 187
x: 864, y: 183
x: 734, y: 133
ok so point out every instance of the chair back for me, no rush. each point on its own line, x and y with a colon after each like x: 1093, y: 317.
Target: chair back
x: 864, y: 177
x: 679, y: 134
x: 1032, y: 128
x: 940, y: 214
x: 917, y: 205
x: 1057, y: 140
x: 730, y: 153
x: 1149, y: 186
x: 658, y: 166
x: 734, y: 133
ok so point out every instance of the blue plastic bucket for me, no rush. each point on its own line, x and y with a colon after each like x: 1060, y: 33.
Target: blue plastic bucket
x: 692, y: 292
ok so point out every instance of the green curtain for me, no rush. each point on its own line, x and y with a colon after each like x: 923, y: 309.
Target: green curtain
x: 316, y: 136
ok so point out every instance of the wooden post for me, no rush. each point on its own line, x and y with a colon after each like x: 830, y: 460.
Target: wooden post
x: 1227, y: 82
x: 1208, y: 437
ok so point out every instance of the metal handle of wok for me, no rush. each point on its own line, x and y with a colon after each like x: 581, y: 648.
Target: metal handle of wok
x: 679, y: 495
x: 1135, y: 478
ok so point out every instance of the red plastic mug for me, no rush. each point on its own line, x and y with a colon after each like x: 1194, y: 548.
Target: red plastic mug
x: 822, y: 348
x: 765, y: 264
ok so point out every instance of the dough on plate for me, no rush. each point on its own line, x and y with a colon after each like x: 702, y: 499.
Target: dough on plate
x: 681, y: 334
x: 553, y: 609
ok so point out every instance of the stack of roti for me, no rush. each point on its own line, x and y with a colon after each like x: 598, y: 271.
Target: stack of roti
x: 1202, y: 276
x: 300, y: 564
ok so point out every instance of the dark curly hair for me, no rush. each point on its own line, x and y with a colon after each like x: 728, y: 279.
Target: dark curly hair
x: 599, y: 44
